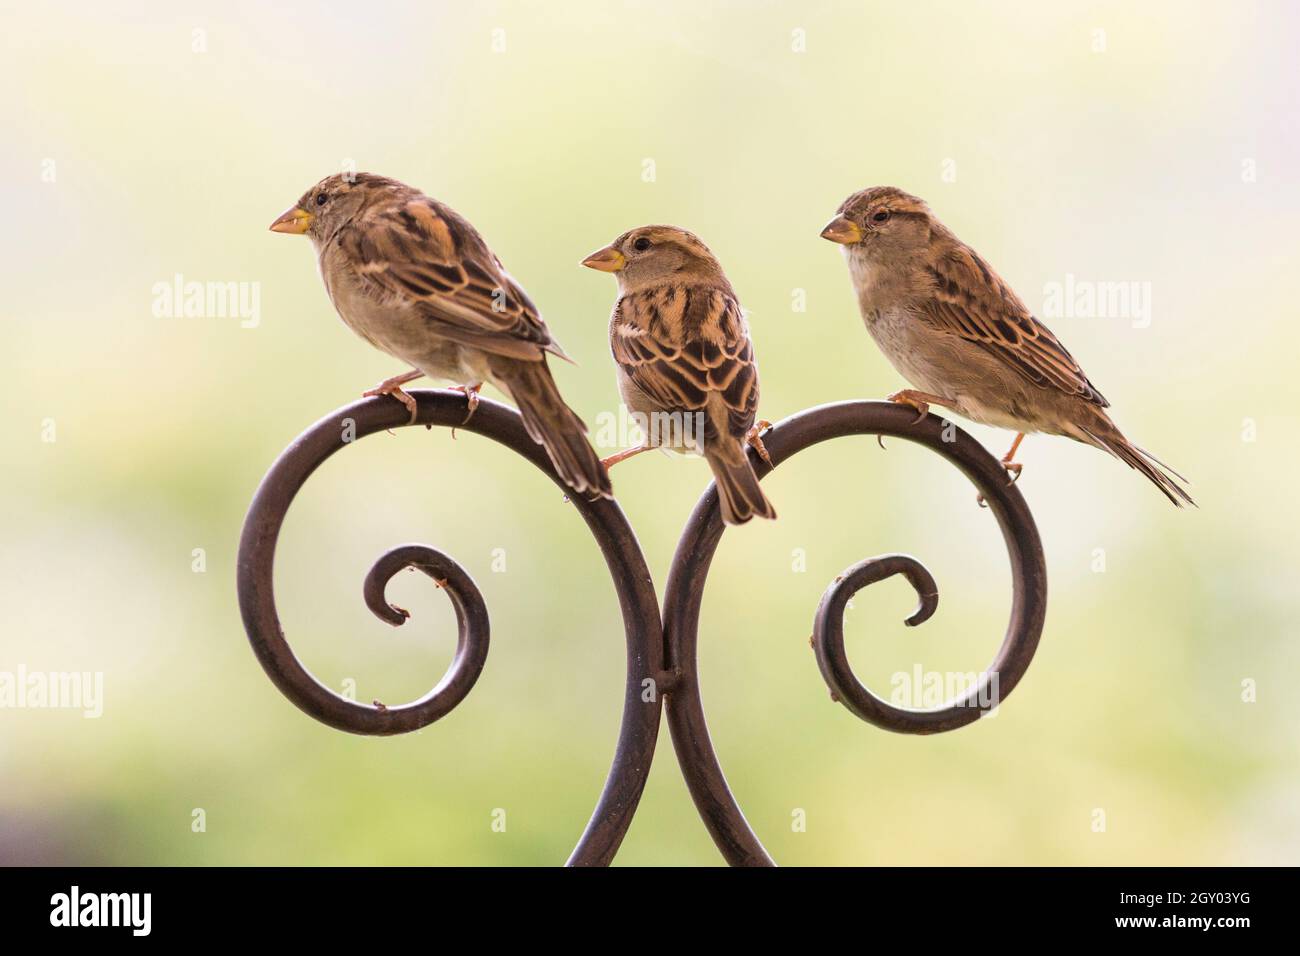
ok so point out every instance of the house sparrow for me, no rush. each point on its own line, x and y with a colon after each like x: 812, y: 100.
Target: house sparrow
x: 417, y: 281
x: 958, y: 333
x: 684, y: 358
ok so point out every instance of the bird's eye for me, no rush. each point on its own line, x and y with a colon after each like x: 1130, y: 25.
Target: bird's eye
x: 321, y: 199
x: 881, y: 216
x: 641, y: 245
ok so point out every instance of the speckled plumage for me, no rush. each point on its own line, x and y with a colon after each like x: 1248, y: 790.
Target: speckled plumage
x: 416, y: 280
x: 682, y: 347
x: 954, y: 329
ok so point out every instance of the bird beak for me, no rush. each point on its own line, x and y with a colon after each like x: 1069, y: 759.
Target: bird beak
x: 843, y: 231
x: 608, y: 259
x: 293, y: 221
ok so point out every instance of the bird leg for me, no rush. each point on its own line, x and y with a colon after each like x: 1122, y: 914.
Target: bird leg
x: 751, y: 438
x: 393, y: 386
x: 921, y: 401
x: 624, y: 455
x: 1013, y: 467
x: 471, y: 396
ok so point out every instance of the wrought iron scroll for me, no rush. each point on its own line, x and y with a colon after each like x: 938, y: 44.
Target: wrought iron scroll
x: 717, y: 807
x: 660, y: 651
x: 627, y: 567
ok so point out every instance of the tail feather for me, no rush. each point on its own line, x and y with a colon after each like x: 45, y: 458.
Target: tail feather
x: 1108, y: 438
x: 553, y: 425
x: 739, y: 492
x: 1146, y: 454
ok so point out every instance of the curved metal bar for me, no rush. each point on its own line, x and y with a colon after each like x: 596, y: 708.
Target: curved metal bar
x: 640, y: 724
x: 682, y: 599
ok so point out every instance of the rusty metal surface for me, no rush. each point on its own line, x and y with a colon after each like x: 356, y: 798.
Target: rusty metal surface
x: 661, y: 652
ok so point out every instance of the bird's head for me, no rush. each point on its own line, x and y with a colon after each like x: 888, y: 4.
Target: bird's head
x: 882, y: 223
x: 331, y: 203
x: 650, y: 255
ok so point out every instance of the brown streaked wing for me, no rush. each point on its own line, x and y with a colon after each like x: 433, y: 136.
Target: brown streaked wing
x: 683, y: 345
x: 973, y: 302
x: 416, y: 250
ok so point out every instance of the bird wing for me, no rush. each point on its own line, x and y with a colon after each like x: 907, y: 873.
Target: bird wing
x: 688, y: 349
x: 420, y: 253
x: 971, y: 301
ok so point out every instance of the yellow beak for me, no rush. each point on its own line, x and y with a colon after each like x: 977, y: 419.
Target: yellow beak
x: 608, y: 259
x: 293, y: 221
x: 843, y: 231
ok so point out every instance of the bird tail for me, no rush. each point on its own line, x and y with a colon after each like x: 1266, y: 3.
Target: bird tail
x: 1102, y: 433
x: 738, y: 488
x: 553, y: 424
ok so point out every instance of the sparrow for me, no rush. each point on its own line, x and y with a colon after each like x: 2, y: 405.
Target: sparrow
x: 959, y: 334
x: 684, y: 359
x: 416, y: 280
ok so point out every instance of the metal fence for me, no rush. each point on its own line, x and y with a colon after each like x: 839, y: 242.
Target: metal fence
x: 661, y: 652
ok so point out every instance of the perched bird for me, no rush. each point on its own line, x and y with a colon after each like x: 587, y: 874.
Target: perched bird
x: 964, y: 339
x: 684, y: 358
x: 417, y: 281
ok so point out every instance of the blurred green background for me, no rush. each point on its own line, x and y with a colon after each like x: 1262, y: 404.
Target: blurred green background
x: 162, y: 138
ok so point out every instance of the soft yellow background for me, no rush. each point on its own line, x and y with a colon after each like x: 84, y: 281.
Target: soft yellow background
x: 1125, y: 164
